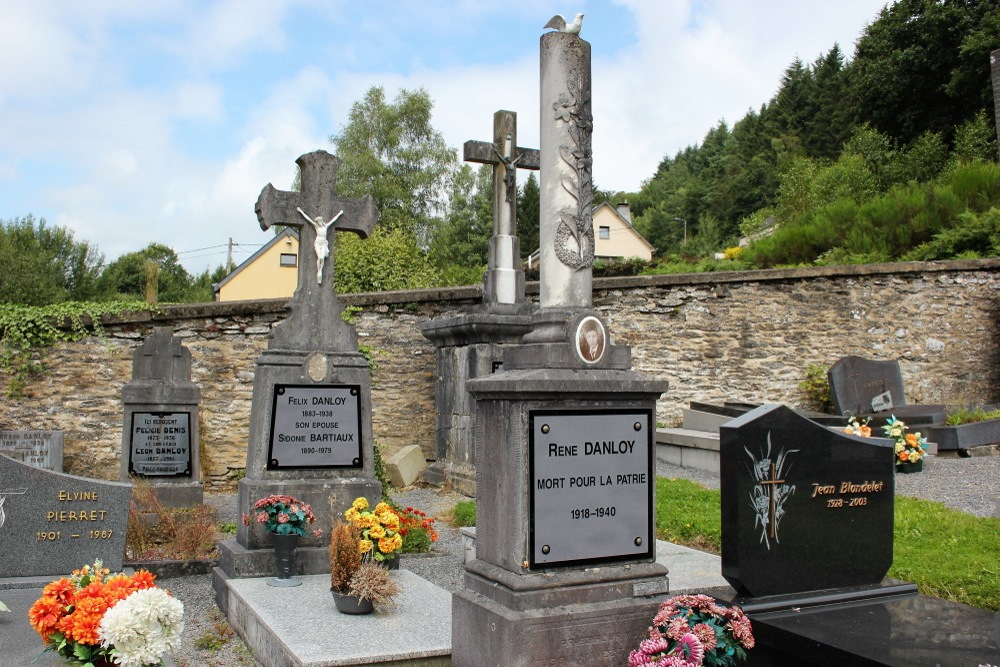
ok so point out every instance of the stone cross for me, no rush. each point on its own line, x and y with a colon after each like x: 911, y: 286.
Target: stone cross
x: 504, y: 282
x: 316, y: 204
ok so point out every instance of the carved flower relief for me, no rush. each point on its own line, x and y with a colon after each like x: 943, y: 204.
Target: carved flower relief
x: 565, y: 107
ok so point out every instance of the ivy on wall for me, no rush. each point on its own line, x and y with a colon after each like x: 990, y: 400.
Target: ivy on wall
x: 26, y: 331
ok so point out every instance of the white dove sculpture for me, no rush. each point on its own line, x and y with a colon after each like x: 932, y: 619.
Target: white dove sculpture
x: 559, y: 23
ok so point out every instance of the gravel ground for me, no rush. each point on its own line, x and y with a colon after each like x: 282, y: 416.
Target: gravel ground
x: 971, y: 485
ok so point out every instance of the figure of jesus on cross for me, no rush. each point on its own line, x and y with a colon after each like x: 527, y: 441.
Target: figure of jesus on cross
x: 322, y: 244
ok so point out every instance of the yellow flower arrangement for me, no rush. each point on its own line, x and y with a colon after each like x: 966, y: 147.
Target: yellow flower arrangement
x: 379, y: 529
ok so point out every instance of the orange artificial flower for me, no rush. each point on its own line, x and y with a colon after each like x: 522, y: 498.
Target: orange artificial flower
x: 904, y: 455
x: 45, y: 614
x: 61, y: 589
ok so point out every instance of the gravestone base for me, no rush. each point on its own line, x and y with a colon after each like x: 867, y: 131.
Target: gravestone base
x: 468, y: 347
x: 179, y: 494
x: 587, y: 617
x: 329, y: 499
x: 593, y: 603
x: 890, y: 631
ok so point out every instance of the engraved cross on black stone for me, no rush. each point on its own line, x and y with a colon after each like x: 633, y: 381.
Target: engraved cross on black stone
x: 771, y: 484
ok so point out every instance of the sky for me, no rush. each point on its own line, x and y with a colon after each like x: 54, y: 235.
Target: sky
x: 133, y: 122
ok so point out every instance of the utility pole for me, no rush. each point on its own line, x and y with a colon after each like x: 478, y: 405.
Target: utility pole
x: 229, y: 258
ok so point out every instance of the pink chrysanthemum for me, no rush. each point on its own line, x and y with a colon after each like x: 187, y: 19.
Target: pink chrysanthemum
x: 706, y: 635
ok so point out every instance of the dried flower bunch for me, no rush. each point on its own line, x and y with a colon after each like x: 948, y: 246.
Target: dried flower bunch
x: 353, y: 570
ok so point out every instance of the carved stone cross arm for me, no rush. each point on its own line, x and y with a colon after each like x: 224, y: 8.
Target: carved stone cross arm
x: 317, y: 198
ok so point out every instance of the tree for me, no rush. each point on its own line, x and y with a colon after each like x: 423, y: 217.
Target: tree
x: 923, y: 65
x: 387, y: 260
x: 126, y: 276
x: 391, y: 151
x: 463, y: 238
x: 43, y: 265
x: 528, y: 211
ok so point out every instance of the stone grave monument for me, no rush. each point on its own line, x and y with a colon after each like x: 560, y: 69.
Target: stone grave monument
x: 160, y: 431
x: 807, y: 539
x: 472, y: 345
x: 52, y: 523
x: 565, y: 569
x: 860, y: 386
x: 42, y: 449
x: 311, y: 414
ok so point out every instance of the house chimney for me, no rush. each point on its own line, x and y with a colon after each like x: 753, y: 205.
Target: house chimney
x: 624, y: 211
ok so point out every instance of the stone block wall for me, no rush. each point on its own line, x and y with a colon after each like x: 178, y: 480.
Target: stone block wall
x: 742, y: 336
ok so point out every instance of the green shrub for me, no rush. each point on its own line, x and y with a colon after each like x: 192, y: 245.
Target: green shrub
x: 816, y: 387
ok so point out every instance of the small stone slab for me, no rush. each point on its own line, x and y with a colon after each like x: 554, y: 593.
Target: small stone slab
x: 42, y: 449
x: 804, y: 508
x: 52, y: 524
x: 404, y: 467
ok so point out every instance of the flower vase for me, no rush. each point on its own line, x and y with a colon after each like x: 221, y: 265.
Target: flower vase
x: 908, y: 466
x: 284, y: 560
x: 352, y: 604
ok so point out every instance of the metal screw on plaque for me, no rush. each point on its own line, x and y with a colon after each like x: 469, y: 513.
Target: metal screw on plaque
x: 545, y: 428
x: 546, y: 549
x: 638, y: 541
x: 637, y: 426
x: 354, y: 392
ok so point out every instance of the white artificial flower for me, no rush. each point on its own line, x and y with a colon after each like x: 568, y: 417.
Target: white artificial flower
x: 142, y: 627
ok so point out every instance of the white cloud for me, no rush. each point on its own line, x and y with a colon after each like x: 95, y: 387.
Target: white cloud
x: 160, y: 122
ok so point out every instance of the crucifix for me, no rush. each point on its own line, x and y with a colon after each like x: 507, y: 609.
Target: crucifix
x: 3, y: 497
x: 316, y: 211
x: 316, y: 202
x: 771, y: 484
x: 504, y: 281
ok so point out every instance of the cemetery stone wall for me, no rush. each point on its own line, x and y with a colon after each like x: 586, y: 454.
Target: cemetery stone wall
x: 740, y: 336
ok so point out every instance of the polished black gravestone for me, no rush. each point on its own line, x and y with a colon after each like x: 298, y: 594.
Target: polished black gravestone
x: 807, y: 530
x: 804, y: 508
x: 860, y: 386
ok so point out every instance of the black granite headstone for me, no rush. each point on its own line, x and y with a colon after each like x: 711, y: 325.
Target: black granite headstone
x: 859, y: 385
x: 804, y: 508
x: 52, y: 524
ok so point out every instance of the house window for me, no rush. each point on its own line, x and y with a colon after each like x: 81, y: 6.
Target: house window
x: 289, y: 259
x: 604, y: 232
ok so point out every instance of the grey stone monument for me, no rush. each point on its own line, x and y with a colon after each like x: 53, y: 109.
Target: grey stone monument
x: 310, y: 416
x: 160, y: 430
x: 565, y: 569
x: 52, y: 524
x: 472, y: 345
x: 42, y: 449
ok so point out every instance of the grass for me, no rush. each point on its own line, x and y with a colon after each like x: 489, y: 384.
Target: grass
x: 947, y: 553
x: 464, y: 514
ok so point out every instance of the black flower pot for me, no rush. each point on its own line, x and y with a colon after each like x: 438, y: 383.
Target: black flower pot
x: 908, y: 467
x: 351, y: 604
